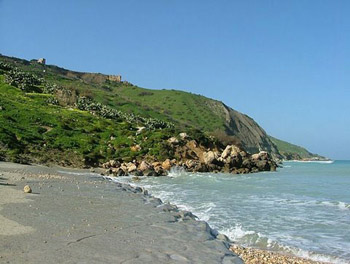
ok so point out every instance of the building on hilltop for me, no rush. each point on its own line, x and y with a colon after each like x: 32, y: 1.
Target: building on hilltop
x: 42, y: 61
x: 115, y: 78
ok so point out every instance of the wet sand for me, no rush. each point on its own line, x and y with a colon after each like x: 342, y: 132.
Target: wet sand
x: 86, y: 219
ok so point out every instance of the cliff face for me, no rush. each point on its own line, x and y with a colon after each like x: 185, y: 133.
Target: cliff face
x: 252, y: 137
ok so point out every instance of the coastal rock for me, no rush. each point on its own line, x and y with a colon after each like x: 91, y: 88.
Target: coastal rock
x: 111, y: 164
x: 166, y: 165
x: 247, y: 163
x: 255, y: 156
x: 27, y: 189
x: 149, y: 172
x: 262, y: 155
x: 118, y: 172
x: 144, y: 165
x: 230, y: 150
x: 190, y: 164
x: 262, y: 165
x: 209, y: 157
x: 131, y: 167
x: 243, y: 154
x: 156, y: 164
x: 192, y: 144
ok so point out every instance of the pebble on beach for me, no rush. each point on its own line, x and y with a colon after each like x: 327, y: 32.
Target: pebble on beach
x: 258, y: 256
x: 27, y: 189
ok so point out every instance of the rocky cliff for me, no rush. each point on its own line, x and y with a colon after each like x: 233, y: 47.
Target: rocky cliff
x: 252, y: 137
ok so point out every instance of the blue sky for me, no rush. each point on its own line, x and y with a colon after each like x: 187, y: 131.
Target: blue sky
x: 284, y: 63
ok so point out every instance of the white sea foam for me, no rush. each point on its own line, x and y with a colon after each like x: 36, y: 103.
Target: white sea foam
x: 237, y: 232
x: 316, y: 256
x: 79, y: 173
x: 252, y: 238
x: 176, y: 172
x: 312, y: 161
x: 340, y: 205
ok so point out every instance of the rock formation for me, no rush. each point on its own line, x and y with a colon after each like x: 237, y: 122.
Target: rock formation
x: 27, y: 189
x: 42, y: 61
x: 194, y: 157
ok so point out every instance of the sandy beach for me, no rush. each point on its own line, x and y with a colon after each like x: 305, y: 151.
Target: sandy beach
x: 75, y: 216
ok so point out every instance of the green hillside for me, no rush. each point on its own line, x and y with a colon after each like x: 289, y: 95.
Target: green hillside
x: 34, y: 127
x: 185, y: 109
x: 182, y: 111
x: 292, y: 152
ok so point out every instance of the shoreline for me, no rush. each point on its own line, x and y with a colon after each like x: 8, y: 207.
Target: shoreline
x: 77, y: 180
x: 250, y: 255
x: 75, y: 216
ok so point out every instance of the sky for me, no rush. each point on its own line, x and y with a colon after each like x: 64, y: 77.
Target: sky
x: 284, y: 63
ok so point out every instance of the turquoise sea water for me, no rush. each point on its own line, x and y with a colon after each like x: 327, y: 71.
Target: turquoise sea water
x: 303, y: 208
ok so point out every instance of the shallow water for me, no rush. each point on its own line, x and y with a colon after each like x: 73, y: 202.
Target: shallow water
x: 303, y: 208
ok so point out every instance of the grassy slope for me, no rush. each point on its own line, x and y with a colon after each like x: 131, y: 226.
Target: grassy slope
x: 291, y: 150
x: 182, y: 108
x: 31, y: 129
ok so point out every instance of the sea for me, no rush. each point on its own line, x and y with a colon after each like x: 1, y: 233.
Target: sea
x: 302, y: 209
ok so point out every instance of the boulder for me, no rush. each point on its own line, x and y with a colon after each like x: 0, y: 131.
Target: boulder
x: 156, y: 164
x: 255, y: 156
x: 247, y: 163
x: 118, y: 172
x: 183, y: 135
x: 243, y: 154
x: 166, y: 165
x: 262, y: 165
x: 262, y: 155
x: 192, y: 144
x: 209, y: 157
x: 226, y: 152
x: 230, y: 151
x: 124, y: 167
x: 144, y: 165
x: 131, y: 167
x: 149, y: 172
x: 173, y: 141
x: 27, y: 189
x: 159, y: 171
x: 113, y: 163
x: 190, y: 164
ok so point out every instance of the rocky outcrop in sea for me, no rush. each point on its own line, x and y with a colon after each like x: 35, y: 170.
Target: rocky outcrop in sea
x: 193, y: 157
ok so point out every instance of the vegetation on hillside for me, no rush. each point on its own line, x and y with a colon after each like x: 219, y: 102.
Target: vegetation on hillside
x: 292, y: 152
x: 123, y: 102
x: 184, y: 109
x: 34, y: 127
